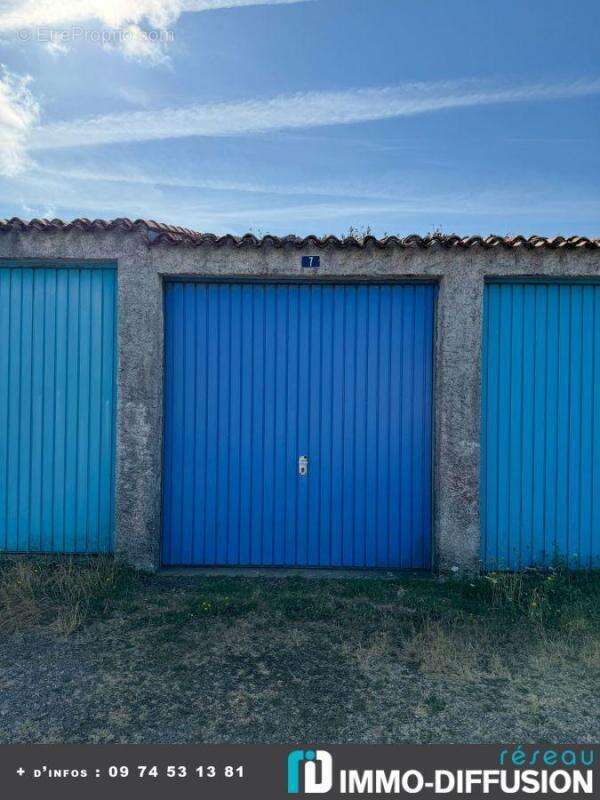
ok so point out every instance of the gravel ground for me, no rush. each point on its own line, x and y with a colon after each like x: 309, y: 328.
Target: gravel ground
x: 266, y: 660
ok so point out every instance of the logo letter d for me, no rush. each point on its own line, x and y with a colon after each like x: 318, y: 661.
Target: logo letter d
x: 311, y: 784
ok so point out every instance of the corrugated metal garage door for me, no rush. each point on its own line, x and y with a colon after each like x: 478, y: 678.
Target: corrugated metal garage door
x: 541, y: 425
x: 258, y: 376
x: 57, y: 403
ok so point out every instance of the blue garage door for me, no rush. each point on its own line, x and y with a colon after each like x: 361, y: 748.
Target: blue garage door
x: 541, y: 425
x: 298, y: 425
x: 57, y: 408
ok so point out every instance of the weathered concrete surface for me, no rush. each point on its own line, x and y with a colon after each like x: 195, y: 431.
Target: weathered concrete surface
x: 142, y: 269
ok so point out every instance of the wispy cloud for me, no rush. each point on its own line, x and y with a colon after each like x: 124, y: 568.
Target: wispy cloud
x: 132, y: 18
x: 90, y: 192
x: 125, y: 176
x: 455, y: 212
x: 19, y: 111
x: 306, y: 110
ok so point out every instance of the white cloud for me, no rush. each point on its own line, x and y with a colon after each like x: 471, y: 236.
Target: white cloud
x: 136, y: 44
x: 133, y: 95
x: 297, y: 111
x: 115, y: 13
x: 19, y: 112
x: 56, y: 48
x: 132, y: 17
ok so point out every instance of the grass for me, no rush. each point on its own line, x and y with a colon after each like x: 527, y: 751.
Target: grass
x: 133, y: 658
x: 63, y: 593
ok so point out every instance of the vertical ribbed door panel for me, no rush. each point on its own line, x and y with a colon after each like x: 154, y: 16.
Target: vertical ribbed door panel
x: 541, y: 425
x: 259, y: 375
x: 57, y: 408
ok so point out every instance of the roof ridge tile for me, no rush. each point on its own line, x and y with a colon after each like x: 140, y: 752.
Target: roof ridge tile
x: 163, y: 233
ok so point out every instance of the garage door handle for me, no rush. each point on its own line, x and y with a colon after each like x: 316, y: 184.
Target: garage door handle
x: 303, y: 466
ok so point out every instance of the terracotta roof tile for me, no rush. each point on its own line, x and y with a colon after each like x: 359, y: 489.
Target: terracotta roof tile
x: 159, y: 233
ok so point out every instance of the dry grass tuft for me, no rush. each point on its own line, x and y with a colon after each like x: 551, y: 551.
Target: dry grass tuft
x: 369, y: 655
x: 19, y: 600
x: 451, y: 650
x: 63, y: 593
x: 590, y: 654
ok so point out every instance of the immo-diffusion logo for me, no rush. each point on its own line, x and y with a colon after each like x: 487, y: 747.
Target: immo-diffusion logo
x: 310, y: 771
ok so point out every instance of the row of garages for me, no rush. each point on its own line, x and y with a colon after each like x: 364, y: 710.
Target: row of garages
x: 299, y: 418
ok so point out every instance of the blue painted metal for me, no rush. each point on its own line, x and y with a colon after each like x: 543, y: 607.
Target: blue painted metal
x: 257, y: 375
x: 541, y: 425
x: 57, y: 408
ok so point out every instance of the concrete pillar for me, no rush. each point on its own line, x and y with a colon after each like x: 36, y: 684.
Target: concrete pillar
x: 458, y: 419
x: 139, y: 412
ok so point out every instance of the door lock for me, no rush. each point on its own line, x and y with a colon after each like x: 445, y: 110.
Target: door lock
x: 303, y: 466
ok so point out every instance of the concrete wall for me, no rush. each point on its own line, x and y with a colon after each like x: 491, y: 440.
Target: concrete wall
x: 142, y: 268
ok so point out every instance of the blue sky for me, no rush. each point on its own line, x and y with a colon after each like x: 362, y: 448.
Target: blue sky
x: 304, y: 117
